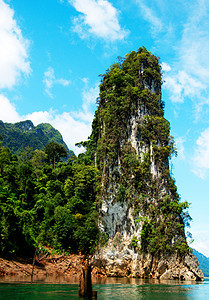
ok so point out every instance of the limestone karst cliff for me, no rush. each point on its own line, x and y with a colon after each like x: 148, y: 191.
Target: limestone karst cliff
x: 140, y: 209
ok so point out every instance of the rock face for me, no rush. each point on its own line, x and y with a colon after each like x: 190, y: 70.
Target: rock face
x: 125, y: 262
x: 140, y: 210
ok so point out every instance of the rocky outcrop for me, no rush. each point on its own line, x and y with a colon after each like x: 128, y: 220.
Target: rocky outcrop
x: 140, y: 209
x: 122, y: 261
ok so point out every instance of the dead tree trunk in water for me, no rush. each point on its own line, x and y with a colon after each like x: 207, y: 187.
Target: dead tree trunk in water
x: 34, y: 260
x: 85, y: 284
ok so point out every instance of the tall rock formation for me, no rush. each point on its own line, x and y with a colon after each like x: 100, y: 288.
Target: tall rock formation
x: 140, y: 209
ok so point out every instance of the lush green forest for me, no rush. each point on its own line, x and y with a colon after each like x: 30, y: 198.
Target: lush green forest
x: 24, y: 134
x: 204, y: 262
x: 46, y: 202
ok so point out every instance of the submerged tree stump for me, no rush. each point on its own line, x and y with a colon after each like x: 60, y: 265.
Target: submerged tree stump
x: 85, y: 283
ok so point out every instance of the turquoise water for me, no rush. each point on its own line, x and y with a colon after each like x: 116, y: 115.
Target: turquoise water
x: 111, y: 289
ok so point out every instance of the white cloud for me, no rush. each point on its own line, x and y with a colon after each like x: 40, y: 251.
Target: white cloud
x: 63, y: 82
x: 201, y: 156
x: 89, y: 96
x: 73, y: 130
x: 195, y: 42
x: 175, y: 88
x: 180, y: 147
x: 183, y: 85
x: 150, y: 16
x: 74, y: 126
x: 38, y: 117
x: 50, y: 80
x: 13, y: 49
x: 98, y: 18
x: 189, y: 76
x: 201, y: 241
x: 165, y: 67
x: 8, y: 111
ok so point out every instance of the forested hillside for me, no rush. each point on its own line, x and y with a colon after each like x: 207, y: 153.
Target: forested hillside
x: 24, y: 134
x: 46, y: 202
x: 204, y: 262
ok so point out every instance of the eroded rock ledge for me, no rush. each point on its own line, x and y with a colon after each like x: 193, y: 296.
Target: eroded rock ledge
x: 127, y: 263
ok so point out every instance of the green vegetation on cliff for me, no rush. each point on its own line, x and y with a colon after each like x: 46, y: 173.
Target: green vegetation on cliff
x: 24, y: 134
x: 130, y: 110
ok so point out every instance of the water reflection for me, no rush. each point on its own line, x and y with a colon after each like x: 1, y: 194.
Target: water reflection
x: 146, y: 291
x: 153, y: 289
x: 105, y: 280
x: 141, y: 281
x: 107, y: 288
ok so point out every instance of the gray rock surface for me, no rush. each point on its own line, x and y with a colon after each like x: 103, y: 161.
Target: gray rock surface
x: 122, y: 261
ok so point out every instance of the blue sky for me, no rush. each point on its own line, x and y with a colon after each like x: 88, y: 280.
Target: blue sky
x: 51, y: 55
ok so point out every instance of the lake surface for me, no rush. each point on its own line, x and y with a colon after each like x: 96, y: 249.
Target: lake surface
x: 111, y: 288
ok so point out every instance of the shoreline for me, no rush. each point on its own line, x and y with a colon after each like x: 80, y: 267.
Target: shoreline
x: 62, y: 269
x: 50, y: 280
x: 53, y: 266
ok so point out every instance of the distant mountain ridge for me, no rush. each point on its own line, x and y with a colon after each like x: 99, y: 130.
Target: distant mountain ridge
x: 24, y: 134
x: 204, y: 262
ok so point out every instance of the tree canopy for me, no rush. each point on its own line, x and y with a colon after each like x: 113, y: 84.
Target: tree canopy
x: 45, y: 201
